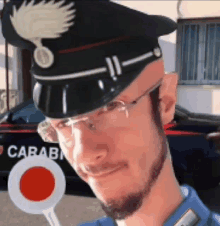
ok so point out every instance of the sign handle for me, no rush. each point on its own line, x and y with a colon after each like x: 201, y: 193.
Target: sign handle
x: 51, y: 217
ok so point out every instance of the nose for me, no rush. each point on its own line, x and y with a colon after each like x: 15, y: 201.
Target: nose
x: 93, y: 154
x: 91, y: 148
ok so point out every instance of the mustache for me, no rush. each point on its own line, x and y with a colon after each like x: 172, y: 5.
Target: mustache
x: 99, y: 169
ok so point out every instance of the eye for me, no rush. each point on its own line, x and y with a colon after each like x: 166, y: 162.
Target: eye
x: 112, y: 106
x: 91, y: 126
x: 62, y: 124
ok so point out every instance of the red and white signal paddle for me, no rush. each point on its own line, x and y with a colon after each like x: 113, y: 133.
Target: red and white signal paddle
x: 36, y: 184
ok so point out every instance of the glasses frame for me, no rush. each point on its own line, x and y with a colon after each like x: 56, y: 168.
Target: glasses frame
x: 74, y: 120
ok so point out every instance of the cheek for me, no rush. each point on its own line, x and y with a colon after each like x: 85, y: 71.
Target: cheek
x: 135, y: 136
x: 130, y: 139
x: 142, y: 163
x: 67, y: 148
x: 71, y: 147
x: 66, y: 151
x: 139, y: 131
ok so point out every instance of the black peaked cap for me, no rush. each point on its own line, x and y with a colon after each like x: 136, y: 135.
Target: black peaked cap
x: 84, y: 53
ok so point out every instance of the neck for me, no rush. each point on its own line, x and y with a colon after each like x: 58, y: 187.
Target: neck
x: 164, y: 199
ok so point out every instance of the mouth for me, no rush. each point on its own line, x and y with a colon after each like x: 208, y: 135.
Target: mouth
x: 104, y: 174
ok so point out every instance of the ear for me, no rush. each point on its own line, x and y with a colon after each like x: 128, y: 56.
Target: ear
x: 168, y: 97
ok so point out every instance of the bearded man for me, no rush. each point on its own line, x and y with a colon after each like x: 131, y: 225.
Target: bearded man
x: 100, y: 83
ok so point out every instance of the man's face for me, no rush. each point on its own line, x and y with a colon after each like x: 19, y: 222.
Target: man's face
x: 134, y: 155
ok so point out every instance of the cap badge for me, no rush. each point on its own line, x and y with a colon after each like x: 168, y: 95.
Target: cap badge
x: 43, y: 20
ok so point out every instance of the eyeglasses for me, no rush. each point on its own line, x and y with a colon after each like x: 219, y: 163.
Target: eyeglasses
x: 114, y: 114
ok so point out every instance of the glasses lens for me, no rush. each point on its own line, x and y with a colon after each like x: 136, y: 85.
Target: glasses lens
x: 65, y: 130
x: 114, y: 115
x: 47, y: 132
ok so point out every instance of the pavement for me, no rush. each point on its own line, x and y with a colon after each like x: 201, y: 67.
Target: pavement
x: 71, y: 211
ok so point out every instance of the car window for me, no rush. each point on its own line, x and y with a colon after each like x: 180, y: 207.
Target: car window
x: 28, y: 114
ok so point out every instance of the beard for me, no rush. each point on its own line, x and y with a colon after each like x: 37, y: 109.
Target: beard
x: 127, y: 205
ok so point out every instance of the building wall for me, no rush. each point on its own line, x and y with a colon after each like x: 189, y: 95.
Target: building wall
x: 2, y: 61
x: 204, y: 98
x: 207, y: 8
x: 194, y: 97
x: 13, y: 79
x: 216, y: 101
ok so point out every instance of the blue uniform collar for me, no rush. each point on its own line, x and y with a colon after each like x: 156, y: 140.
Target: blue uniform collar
x: 191, y: 211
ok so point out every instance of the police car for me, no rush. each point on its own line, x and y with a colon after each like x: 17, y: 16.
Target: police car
x: 193, y: 141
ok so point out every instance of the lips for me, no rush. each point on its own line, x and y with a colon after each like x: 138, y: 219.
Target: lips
x: 103, y: 173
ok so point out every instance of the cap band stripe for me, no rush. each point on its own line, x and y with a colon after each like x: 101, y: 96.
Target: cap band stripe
x: 137, y: 59
x: 70, y: 76
x: 110, y: 67
x: 99, y: 70
x: 64, y: 102
x: 117, y: 65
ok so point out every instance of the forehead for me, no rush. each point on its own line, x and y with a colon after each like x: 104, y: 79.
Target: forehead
x: 148, y: 77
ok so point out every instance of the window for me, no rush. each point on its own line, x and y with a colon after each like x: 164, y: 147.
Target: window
x: 198, y: 51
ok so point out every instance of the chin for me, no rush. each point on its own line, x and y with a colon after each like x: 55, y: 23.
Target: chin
x: 104, y: 193
x: 122, y: 207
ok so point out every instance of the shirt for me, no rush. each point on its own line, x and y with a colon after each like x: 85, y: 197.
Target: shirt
x: 191, y: 212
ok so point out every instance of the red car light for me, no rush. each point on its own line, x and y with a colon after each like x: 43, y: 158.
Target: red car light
x: 1, y: 149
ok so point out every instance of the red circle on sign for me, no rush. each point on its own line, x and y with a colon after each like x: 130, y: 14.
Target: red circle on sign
x: 37, y: 184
